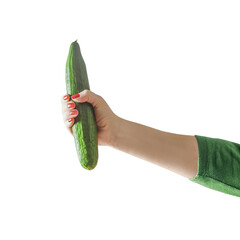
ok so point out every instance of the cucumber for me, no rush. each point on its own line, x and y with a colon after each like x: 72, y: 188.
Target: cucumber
x: 84, y: 128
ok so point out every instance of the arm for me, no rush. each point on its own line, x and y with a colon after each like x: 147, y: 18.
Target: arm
x: 211, y: 162
x: 178, y: 153
x: 175, y: 152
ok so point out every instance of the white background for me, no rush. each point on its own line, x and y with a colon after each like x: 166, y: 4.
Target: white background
x: 171, y: 65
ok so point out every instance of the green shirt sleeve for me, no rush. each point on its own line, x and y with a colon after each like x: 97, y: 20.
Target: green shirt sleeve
x: 218, y: 165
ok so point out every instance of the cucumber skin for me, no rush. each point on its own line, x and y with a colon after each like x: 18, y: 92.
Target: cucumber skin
x: 84, y: 128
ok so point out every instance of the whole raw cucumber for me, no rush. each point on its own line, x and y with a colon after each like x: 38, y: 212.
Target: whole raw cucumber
x: 84, y: 128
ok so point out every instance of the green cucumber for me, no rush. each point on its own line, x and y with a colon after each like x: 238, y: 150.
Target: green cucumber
x: 84, y: 128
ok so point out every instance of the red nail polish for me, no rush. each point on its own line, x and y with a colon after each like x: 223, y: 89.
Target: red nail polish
x: 70, y: 120
x: 75, y: 96
x: 71, y: 105
x: 74, y: 112
x: 65, y: 97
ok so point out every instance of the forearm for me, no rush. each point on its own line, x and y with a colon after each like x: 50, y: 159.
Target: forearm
x: 175, y: 152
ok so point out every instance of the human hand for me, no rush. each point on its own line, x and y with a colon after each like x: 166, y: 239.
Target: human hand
x: 106, y: 120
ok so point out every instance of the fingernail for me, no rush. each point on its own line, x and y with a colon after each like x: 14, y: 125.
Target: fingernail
x: 75, y: 96
x: 65, y: 97
x: 70, y: 120
x: 71, y: 105
x: 74, y: 112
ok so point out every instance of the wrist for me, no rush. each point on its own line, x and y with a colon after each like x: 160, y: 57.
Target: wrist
x: 117, y: 125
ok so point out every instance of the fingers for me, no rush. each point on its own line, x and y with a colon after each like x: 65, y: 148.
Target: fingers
x: 68, y: 111
x: 66, y: 106
x: 86, y: 96
x: 70, y: 114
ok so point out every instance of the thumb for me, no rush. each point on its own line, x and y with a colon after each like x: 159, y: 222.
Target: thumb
x: 86, y: 96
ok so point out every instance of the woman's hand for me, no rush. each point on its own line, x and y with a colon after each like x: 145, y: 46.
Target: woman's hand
x: 175, y: 152
x: 106, y: 120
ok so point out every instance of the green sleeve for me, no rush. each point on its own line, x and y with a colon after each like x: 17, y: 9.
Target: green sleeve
x: 218, y: 165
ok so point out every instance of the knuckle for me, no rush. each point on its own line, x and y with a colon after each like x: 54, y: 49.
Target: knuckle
x: 64, y: 108
x: 86, y: 92
x: 66, y: 115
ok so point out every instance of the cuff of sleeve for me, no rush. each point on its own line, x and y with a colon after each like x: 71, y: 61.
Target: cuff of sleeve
x: 218, y: 165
